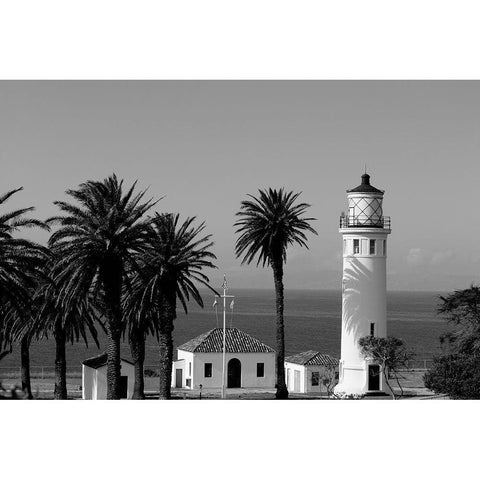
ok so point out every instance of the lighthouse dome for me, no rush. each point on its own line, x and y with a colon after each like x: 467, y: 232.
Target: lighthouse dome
x: 364, y: 206
x: 365, y: 186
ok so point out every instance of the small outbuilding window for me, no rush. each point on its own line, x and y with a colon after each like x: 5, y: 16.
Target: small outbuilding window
x: 208, y: 370
x: 260, y: 369
x: 189, y: 368
x: 356, y: 245
x: 315, y: 379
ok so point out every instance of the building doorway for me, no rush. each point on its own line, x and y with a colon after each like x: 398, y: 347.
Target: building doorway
x: 373, y: 377
x: 178, y: 377
x: 124, y: 386
x: 234, y: 373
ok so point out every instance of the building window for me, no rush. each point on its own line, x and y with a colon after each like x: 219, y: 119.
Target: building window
x: 344, y: 246
x: 385, y: 247
x: 315, y: 379
x: 260, y: 369
x: 356, y: 245
x: 208, y: 370
x: 372, y: 247
x: 190, y: 368
x: 372, y: 329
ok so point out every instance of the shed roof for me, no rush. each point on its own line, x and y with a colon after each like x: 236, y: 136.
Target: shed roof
x: 311, y: 357
x: 99, y: 361
x: 365, y: 186
x: 236, y: 341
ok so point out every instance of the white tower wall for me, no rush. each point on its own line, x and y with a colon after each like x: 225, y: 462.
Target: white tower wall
x: 364, y: 290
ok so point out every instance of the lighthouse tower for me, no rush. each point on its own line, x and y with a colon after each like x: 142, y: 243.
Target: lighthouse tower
x: 364, y: 291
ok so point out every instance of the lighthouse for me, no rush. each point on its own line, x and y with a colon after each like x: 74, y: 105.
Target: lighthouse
x: 364, y: 231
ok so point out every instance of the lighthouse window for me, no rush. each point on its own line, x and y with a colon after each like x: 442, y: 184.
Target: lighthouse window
x: 372, y: 329
x: 372, y: 247
x: 344, y: 246
x: 384, y: 247
x: 356, y: 245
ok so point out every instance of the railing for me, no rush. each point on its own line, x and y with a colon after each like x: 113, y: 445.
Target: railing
x: 366, y: 222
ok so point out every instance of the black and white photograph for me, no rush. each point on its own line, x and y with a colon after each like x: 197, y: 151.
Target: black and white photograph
x: 240, y: 240
x: 288, y: 257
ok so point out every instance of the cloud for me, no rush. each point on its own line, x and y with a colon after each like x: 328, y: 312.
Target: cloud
x: 440, y: 258
x: 416, y: 257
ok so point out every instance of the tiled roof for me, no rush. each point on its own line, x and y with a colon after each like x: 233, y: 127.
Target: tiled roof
x: 236, y: 341
x: 99, y: 361
x: 312, y: 358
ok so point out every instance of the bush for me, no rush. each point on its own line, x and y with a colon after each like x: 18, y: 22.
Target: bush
x: 457, y: 375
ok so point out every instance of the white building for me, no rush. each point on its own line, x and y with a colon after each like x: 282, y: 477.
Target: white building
x: 364, y: 293
x: 94, y: 378
x: 249, y: 362
x: 306, y: 371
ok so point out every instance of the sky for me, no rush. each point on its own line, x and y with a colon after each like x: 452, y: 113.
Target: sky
x: 204, y: 145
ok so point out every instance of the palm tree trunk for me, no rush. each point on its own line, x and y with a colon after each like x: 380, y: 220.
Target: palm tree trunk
x: 114, y: 333
x: 167, y: 316
x: 60, y: 392
x: 137, y: 348
x: 111, y: 273
x: 282, y: 391
x: 25, y: 366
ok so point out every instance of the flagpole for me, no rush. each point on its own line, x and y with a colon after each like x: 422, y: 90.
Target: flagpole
x: 224, y: 346
x: 224, y: 349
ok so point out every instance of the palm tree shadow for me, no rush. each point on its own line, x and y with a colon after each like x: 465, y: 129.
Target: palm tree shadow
x: 355, y: 274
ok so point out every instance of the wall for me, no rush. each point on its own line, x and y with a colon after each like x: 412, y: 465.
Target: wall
x: 248, y: 361
x: 305, y: 377
x: 96, y: 380
x: 87, y: 382
x: 188, y: 358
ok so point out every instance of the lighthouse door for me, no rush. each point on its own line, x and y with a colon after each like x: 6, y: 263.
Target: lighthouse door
x: 374, y: 377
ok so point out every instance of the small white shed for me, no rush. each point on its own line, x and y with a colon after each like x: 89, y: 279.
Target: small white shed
x: 249, y: 362
x: 94, y: 378
x: 306, y: 371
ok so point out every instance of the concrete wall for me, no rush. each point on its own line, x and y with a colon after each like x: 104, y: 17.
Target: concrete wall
x: 94, y: 381
x: 248, y: 362
x: 188, y: 372
x: 305, y: 372
x: 87, y: 382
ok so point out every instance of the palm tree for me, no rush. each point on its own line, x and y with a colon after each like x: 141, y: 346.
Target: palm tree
x: 21, y: 265
x: 139, y: 323
x: 175, y: 260
x: 267, y: 226
x: 140, y: 320
x: 66, y: 326
x: 94, y: 247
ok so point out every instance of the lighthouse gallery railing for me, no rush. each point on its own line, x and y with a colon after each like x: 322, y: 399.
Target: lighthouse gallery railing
x: 362, y: 221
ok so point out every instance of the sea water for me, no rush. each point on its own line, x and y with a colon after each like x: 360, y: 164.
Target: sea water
x: 312, y: 322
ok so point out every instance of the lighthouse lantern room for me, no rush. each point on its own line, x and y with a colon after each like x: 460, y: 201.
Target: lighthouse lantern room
x: 364, y: 293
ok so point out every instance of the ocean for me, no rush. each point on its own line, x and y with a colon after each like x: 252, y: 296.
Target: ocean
x: 312, y: 322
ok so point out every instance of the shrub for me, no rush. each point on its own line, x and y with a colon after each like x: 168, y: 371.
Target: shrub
x: 457, y: 375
